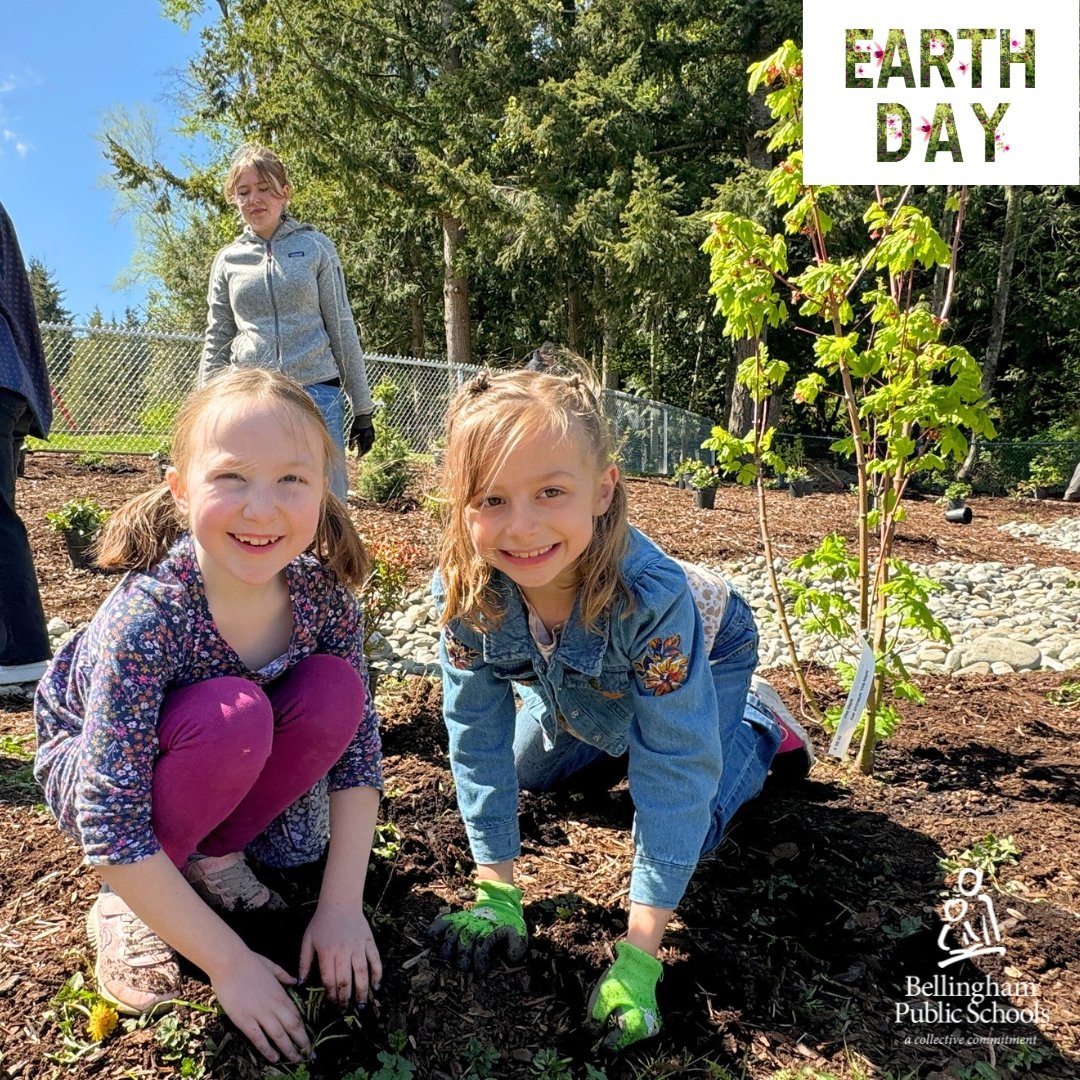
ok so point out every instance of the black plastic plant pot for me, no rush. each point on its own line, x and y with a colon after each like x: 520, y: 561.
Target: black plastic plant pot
x: 959, y: 515
x: 80, y: 550
x: 705, y: 498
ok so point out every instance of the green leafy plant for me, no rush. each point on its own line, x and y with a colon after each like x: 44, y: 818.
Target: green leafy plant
x: 386, y: 586
x: 78, y: 517
x: 480, y: 1061
x: 988, y: 855
x: 387, y: 841
x: 1043, y: 472
x: 956, y: 492
x: 683, y: 469
x: 905, y: 395
x: 385, y: 470
x: 547, y: 1065
x: 392, y: 1065
x: 1066, y: 695
x: 16, y: 746
x: 72, y: 1010
x: 703, y: 478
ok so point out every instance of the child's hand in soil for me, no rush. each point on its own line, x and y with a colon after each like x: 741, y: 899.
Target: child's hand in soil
x: 470, y: 938
x: 624, y: 1000
x: 349, y: 962
x: 251, y: 994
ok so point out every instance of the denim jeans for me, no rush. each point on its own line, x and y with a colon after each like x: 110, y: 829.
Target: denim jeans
x: 331, y: 402
x: 23, y: 637
x: 750, y: 734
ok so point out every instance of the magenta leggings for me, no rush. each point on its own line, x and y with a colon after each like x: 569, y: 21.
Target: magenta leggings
x: 234, y: 755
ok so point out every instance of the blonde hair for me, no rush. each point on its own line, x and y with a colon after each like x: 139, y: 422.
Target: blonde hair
x: 487, y: 419
x: 138, y: 535
x: 265, y: 162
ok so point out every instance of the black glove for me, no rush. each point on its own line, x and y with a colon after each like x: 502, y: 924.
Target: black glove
x: 362, y: 434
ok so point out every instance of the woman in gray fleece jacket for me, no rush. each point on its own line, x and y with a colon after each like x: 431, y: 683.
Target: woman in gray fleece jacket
x: 277, y: 300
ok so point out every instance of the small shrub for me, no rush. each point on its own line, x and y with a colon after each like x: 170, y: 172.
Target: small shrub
x: 703, y: 478
x: 685, y: 468
x: 385, y: 470
x: 957, y: 491
x: 385, y: 588
x: 79, y: 517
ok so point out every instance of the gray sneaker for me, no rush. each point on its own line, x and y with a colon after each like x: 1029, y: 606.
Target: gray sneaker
x: 135, y: 969
x: 227, y: 883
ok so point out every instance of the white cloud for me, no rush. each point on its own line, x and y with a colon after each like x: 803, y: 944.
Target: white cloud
x: 7, y: 83
x: 19, y: 144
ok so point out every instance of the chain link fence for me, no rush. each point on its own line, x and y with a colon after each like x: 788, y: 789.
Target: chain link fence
x: 118, y: 391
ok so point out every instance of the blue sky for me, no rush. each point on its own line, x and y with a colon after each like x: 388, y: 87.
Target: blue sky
x: 63, y: 64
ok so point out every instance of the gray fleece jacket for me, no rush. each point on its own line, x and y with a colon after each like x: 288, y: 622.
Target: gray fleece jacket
x: 281, y: 303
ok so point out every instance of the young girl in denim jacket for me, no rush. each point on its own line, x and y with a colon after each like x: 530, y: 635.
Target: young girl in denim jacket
x: 217, y: 705
x: 547, y: 595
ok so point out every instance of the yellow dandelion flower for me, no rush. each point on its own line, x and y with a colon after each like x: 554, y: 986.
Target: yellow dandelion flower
x: 102, y: 1022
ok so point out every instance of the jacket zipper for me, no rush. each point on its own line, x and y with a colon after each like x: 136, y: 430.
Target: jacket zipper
x: 273, y: 302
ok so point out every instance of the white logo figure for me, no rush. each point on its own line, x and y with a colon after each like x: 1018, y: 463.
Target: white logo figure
x: 957, y: 917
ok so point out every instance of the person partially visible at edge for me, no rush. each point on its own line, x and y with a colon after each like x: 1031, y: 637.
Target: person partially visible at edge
x: 277, y: 300
x: 25, y: 409
x: 569, y: 639
x: 543, y: 358
x: 215, y: 709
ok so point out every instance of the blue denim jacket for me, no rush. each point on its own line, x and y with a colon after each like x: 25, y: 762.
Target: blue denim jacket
x: 641, y: 684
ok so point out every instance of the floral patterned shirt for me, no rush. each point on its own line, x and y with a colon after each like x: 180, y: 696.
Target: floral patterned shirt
x: 154, y: 633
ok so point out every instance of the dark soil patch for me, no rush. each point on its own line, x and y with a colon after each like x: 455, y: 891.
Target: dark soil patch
x: 798, y: 946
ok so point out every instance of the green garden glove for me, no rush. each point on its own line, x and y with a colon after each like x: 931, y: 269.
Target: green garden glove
x: 625, y: 998
x: 469, y: 938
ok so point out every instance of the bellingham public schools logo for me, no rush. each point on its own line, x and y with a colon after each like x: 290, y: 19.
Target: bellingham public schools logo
x: 931, y: 93
x: 969, y: 928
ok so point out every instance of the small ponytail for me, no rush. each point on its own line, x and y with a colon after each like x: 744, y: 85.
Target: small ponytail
x: 138, y: 535
x: 338, y: 544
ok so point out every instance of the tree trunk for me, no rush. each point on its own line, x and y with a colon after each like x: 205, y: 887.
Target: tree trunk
x: 416, y: 303
x: 609, y: 366
x: 741, y: 411
x: 941, y: 274
x: 1013, y: 199
x: 573, y: 318
x: 455, y: 283
x: 455, y: 296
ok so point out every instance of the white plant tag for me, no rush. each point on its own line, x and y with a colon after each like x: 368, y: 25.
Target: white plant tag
x: 856, y: 702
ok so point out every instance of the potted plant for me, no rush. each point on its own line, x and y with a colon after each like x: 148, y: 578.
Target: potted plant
x: 1044, y: 474
x: 955, y: 495
x: 78, y: 522
x: 799, y: 482
x: 704, y: 481
x: 683, y: 470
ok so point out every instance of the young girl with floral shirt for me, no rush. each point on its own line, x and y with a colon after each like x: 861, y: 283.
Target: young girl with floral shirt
x: 216, y: 705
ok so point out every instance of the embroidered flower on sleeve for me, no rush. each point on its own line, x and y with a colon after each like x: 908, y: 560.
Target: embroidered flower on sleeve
x: 461, y: 655
x: 663, y: 667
